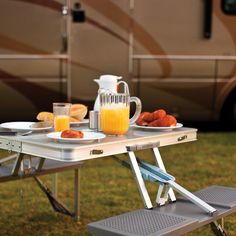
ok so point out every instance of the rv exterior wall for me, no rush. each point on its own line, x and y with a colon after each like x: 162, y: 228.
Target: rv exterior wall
x: 192, y: 89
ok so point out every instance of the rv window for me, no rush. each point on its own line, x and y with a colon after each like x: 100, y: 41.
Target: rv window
x: 229, y: 7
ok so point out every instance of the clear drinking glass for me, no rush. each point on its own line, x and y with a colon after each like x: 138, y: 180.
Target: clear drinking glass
x: 115, y: 111
x: 61, y: 113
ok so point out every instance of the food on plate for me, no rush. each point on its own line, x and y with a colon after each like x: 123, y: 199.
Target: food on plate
x: 158, y: 114
x: 141, y: 121
x: 158, y: 118
x: 166, y: 121
x: 78, y: 111
x: 148, y: 117
x: 169, y: 120
x: 72, y: 119
x: 77, y: 114
x: 45, y: 116
x: 72, y: 134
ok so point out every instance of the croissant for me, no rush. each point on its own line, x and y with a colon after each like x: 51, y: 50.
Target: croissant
x: 72, y: 134
x: 158, y: 118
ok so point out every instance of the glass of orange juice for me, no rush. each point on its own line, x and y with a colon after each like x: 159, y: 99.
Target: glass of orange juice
x: 115, y: 111
x: 61, y: 113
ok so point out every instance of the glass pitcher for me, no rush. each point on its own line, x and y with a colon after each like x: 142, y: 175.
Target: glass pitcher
x: 115, y: 111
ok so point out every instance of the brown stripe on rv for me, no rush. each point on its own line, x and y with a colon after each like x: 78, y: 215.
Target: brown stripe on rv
x: 58, y: 6
x: 9, y: 43
x: 35, y: 92
x: 104, y: 28
x: 40, y: 96
x: 115, y: 14
x: 45, y: 3
x: 12, y: 44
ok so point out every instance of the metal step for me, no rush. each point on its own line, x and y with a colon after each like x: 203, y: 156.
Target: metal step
x: 141, y: 223
x: 218, y: 196
x: 170, y: 220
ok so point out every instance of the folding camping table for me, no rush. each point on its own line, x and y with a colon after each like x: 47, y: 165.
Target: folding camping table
x: 36, y: 154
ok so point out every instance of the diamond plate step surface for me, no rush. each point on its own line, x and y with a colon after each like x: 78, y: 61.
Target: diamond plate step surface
x: 219, y: 196
x: 140, y: 223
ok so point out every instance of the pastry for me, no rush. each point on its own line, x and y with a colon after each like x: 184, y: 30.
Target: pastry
x: 72, y: 134
x: 141, y: 121
x: 160, y: 113
x: 149, y: 117
x: 45, y: 116
x: 78, y: 111
x: 158, y: 118
x: 72, y: 119
x: 166, y: 121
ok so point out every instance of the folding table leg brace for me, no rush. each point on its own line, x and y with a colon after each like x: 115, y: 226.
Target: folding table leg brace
x: 144, y: 170
x: 160, y: 164
x: 22, y: 166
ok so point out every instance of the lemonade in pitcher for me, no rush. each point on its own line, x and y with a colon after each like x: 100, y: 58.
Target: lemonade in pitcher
x: 114, y: 119
x: 114, y: 112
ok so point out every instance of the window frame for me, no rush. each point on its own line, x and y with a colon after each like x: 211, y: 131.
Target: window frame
x: 225, y: 11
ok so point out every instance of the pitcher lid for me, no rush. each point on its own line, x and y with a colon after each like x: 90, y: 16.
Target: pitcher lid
x: 109, y: 78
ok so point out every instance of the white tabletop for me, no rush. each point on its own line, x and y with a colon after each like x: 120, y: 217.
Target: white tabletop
x: 40, y: 145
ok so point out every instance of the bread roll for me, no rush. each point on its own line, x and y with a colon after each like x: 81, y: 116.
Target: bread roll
x: 72, y: 119
x: 78, y: 111
x: 45, y: 116
x: 72, y: 134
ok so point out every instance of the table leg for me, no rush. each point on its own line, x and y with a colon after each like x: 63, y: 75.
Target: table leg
x: 222, y: 223
x: 17, y: 164
x: 40, y: 164
x: 55, y: 184
x: 217, y: 229
x: 77, y: 194
x: 141, y: 185
x: 160, y: 164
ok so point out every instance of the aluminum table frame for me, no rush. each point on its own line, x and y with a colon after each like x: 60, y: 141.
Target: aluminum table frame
x: 39, y: 146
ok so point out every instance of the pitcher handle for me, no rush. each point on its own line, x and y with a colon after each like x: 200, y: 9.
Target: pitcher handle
x: 137, y: 111
x: 126, y: 87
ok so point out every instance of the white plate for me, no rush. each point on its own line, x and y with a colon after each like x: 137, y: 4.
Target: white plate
x: 84, y: 121
x: 21, y: 125
x: 88, y: 137
x: 178, y: 125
